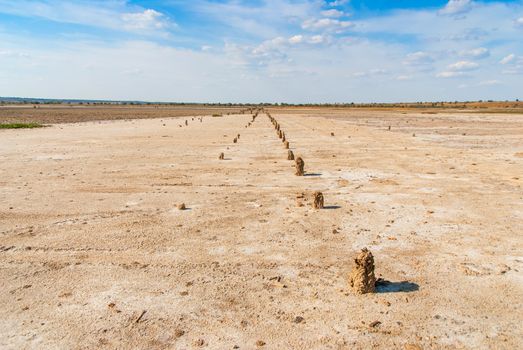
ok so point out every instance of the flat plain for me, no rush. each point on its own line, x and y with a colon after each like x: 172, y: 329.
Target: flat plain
x: 95, y: 254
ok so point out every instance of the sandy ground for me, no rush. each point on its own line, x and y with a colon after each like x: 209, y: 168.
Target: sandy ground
x: 94, y: 253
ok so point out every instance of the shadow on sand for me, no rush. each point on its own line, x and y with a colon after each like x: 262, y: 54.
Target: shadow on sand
x: 331, y: 207
x: 312, y: 174
x: 383, y: 286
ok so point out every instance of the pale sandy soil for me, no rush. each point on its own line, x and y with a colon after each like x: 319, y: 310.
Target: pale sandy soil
x: 94, y: 253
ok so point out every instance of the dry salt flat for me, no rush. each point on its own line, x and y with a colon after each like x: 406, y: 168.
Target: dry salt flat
x: 94, y: 252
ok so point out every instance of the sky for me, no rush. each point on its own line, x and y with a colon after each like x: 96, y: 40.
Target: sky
x: 293, y: 51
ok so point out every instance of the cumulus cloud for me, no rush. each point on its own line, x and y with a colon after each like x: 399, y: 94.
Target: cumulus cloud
x: 326, y: 24
x: 449, y: 74
x: 508, y: 59
x: 519, y: 22
x: 332, y: 13
x: 489, y: 82
x: 418, y: 58
x: 14, y: 54
x: 456, y: 7
x: 477, y: 53
x: 296, y: 39
x: 338, y: 3
x: 458, y: 69
x: 276, y: 50
x: 513, y: 64
x: 114, y: 15
x: 463, y: 66
x: 317, y: 39
x: 371, y: 72
x: 146, y: 20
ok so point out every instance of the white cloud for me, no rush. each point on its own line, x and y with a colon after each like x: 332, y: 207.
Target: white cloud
x: 477, y: 53
x: 508, y: 59
x: 146, y: 20
x: 114, y: 15
x: 456, y: 7
x: 327, y: 24
x: 332, y: 13
x: 463, y: 66
x: 418, y: 58
x: 370, y: 73
x: 513, y: 71
x: 513, y: 63
x: 338, y: 3
x: 317, y: 39
x: 489, y: 83
x: 264, y: 19
x: 15, y: 54
x: 450, y: 74
x: 458, y: 69
x: 519, y: 22
x: 296, y: 39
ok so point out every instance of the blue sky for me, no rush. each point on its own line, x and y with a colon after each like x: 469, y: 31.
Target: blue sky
x: 294, y: 51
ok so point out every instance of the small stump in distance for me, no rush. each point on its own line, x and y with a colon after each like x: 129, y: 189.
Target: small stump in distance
x: 181, y: 206
x: 300, y: 167
x: 286, y: 144
x: 238, y: 137
x: 332, y: 134
x: 362, y: 279
x: 318, y: 200
x: 235, y: 140
x: 290, y: 155
x: 222, y: 156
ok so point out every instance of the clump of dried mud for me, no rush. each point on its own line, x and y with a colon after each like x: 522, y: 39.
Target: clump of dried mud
x: 362, y: 279
x: 300, y: 167
x: 318, y: 200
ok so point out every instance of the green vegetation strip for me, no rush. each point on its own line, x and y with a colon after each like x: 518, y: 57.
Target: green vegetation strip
x: 21, y: 126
